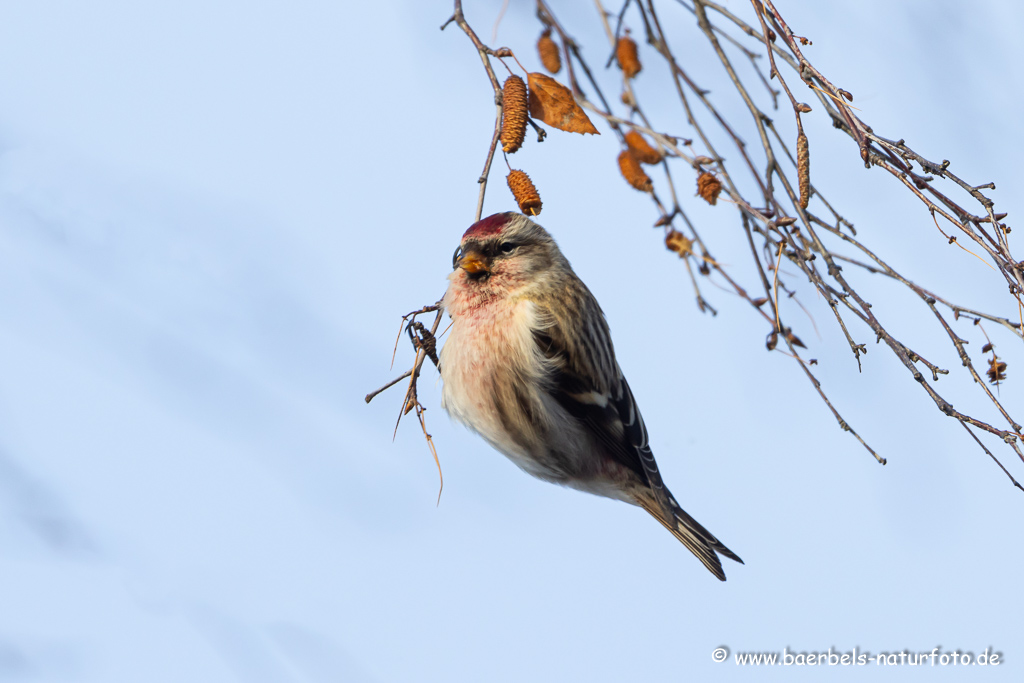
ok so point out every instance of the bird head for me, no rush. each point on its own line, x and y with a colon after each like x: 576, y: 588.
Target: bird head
x: 505, y: 249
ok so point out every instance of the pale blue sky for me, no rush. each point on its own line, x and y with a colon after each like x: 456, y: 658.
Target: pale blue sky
x: 212, y: 216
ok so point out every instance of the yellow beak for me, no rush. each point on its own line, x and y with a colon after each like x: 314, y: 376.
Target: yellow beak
x: 473, y: 262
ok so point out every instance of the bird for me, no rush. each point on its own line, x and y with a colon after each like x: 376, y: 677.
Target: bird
x: 528, y: 365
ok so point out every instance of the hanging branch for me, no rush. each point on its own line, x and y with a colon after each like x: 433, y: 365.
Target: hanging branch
x: 786, y: 218
x: 424, y: 341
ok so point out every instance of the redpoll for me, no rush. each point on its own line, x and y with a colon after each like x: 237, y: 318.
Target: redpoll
x: 529, y: 365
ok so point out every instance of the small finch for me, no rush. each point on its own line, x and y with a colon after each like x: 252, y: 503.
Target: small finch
x: 529, y: 365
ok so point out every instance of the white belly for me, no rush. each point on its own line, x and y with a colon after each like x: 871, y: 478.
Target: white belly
x: 489, y: 347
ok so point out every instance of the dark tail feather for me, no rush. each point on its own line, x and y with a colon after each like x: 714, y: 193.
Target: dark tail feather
x: 695, y: 537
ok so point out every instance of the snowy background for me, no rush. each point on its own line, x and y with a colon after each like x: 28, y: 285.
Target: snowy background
x: 212, y: 216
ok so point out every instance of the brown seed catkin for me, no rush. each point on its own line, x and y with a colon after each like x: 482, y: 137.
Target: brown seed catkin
x: 641, y: 149
x: 626, y: 55
x: 513, y: 114
x: 525, y: 193
x: 550, y: 55
x: 709, y: 187
x: 803, y: 169
x: 633, y: 173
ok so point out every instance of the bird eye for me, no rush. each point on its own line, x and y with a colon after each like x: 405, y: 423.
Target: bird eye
x: 455, y: 257
x: 507, y: 247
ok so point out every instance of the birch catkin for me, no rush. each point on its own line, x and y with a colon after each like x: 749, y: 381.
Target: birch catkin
x: 550, y: 55
x: 626, y: 55
x: 513, y: 114
x: 803, y: 169
x: 633, y: 173
x: 641, y: 149
x: 525, y: 193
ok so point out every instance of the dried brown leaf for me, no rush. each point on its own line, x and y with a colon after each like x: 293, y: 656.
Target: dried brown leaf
x: 709, y: 187
x: 553, y: 103
x: 996, y: 371
x: 679, y: 243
